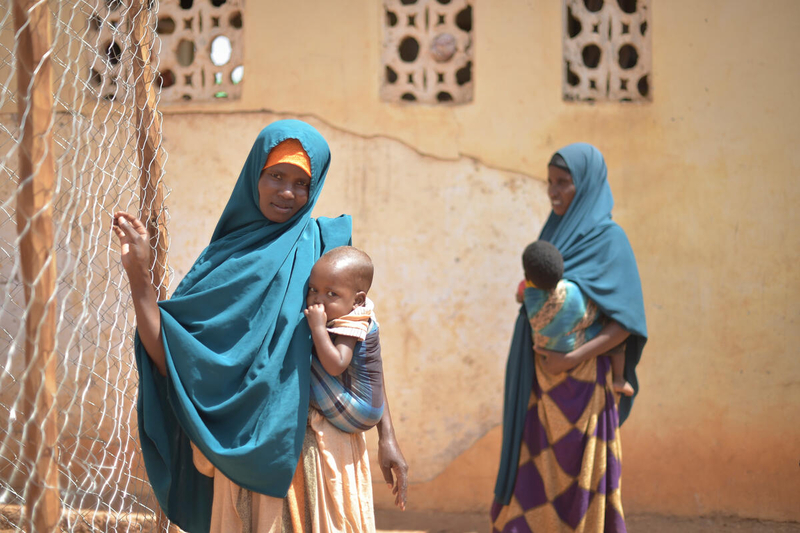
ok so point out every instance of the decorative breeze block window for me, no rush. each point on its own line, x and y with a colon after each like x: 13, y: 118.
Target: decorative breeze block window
x: 201, y: 49
x: 199, y: 57
x: 607, y: 50
x: 427, y: 51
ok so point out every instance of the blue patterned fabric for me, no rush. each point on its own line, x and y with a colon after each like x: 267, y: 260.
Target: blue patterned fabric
x: 562, y: 319
x: 353, y: 400
x: 238, y: 347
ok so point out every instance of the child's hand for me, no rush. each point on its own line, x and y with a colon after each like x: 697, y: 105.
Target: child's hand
x: 135, y: 242
x: 316, y: 315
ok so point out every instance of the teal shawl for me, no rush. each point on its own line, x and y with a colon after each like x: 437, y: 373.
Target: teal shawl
x: 599, y: 259
x: 238, y: 348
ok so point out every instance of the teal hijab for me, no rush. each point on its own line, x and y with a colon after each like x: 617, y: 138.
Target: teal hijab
x: 238, y: 348
x: 599, y: 259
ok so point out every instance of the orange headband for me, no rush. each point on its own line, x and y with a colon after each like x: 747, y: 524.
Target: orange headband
x: 289, y: 151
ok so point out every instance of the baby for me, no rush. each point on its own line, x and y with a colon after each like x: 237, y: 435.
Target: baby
x: 346, y: 372
x: 561, y: 316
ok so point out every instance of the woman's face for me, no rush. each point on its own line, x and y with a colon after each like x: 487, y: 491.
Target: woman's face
x: 560, y: 189
x: 282, y: 191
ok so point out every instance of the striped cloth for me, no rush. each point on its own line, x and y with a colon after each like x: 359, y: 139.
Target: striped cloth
x: 352, y: 401
x: 562, y: 319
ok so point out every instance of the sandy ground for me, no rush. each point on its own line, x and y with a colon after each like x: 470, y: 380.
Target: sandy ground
x: 428, y: 522
x: 408, y: 522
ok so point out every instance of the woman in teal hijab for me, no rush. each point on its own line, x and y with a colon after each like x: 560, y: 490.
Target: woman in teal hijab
x: 225, y: 362
x: 561, y: 456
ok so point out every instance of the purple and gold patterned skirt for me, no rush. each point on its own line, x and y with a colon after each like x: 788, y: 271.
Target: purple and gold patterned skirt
x: 568, y: 479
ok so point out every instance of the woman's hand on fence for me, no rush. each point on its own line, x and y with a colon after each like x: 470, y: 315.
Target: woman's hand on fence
x: 135, y: 243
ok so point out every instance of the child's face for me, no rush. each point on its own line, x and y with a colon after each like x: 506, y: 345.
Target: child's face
x: 331, y: 286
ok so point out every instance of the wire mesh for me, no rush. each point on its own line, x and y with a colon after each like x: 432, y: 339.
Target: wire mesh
x: 95, y: 130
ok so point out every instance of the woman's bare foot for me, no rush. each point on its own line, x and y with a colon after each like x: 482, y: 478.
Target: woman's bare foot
x: 622, y: 387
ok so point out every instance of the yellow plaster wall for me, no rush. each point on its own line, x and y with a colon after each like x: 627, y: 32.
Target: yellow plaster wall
x: 704, y: 179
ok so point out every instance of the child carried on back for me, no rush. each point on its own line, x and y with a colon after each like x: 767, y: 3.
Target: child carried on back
x: 346, y: 370
x: 562, y: 318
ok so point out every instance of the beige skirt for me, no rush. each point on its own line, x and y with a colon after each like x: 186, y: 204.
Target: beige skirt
x: 331, y: 491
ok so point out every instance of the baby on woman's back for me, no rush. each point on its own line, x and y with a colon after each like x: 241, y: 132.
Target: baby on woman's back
x: 562, y: 318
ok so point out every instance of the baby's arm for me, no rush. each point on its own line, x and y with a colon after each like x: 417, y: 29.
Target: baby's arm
x: 335, y: 357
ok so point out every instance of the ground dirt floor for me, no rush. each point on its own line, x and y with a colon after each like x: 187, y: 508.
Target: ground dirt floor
x: 431, y: 522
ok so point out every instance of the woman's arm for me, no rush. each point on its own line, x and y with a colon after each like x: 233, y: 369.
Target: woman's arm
x: 611, y: 335
x: 135, y: 243
x: 391, y: 460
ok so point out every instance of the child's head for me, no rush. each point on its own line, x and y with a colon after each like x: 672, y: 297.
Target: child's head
x: 340, y: 281
x: 543, y: 265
